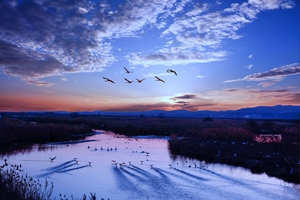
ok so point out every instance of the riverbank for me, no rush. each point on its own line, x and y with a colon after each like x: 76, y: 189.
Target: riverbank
x: 227, y: 141
x: 274, y: 159
x: 16, y: 131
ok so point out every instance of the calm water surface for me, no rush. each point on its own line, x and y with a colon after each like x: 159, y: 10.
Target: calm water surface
x: 133, y: 177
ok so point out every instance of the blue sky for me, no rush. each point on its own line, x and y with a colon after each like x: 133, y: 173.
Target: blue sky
x: 227, y: 54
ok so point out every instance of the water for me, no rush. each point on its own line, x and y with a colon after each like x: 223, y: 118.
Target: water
x: 170, y: 177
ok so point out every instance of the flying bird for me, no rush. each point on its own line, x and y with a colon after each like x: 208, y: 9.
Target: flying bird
x: 127, y: 71
x: 139, y: 81
x: 108, y: 80
x: 171, y: 71
x: 158, y: 79
x: 128, y: 81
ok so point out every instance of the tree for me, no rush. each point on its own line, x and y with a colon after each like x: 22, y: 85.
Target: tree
x: 207, y: 119
x: 253, y: 126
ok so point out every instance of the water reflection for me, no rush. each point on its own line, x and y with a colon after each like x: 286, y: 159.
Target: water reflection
x: 141, y: 168
x: 8, y: 150
x: 61, y: 168
x: 268, y: 138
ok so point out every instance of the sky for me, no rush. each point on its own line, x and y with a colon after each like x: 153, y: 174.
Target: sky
x: 227, y: 54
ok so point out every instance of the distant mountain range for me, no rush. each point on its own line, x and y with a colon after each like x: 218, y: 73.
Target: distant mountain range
x: 260, y: 112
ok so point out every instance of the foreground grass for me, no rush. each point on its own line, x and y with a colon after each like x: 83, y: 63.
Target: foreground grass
x: 15, y: 185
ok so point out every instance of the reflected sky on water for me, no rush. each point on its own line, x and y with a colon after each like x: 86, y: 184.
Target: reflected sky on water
x: 141, y: 168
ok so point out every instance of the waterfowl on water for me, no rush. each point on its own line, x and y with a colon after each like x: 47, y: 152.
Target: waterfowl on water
x: 52, y: 158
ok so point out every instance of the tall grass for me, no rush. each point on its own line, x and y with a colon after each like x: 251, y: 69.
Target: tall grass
x: 15, y: 185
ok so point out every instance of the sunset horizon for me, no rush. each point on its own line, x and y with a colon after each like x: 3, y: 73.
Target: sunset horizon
x: 89, y: 56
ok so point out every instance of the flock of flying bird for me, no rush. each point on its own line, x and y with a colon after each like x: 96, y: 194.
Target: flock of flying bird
x: 139, y: 80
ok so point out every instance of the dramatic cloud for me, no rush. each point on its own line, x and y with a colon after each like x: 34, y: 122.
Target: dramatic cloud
x: 273, y: 76
x: 46, y: 38
x: 197, y: 35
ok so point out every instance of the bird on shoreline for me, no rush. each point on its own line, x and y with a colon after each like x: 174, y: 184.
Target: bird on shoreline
x: 158, y: 79
x: 128, y: 81
x: 127, y: 71
x: 171, y: 71
x: 108, y: 80
x: 139, y: 80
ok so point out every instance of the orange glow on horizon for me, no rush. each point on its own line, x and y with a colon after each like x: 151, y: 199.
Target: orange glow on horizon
x: 54, y: 103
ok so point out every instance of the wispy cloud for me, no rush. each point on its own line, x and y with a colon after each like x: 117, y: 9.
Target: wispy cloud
x: 267, y: 83
x: 63, y: 79
x: 255, y: 97
x: 39, y: 83
x: 192, y: 102
x: 185, y: 96
x: 200, y: 76
x: 47, y: 38
x: 198, y: 34
x: 160, y: 74
x: 249, y: 66
x: 273, y: 76
x: 250, y: 56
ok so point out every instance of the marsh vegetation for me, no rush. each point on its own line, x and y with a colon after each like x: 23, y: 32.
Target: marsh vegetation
x: 226, y: 141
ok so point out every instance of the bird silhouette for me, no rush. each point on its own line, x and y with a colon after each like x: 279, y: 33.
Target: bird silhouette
x: 128, y: 81
x: 108, y: 80
x: 139, y: 80
x: 158, y: 79
x: 171, y: 71
x: 52, y: 158
x: 127, y: 71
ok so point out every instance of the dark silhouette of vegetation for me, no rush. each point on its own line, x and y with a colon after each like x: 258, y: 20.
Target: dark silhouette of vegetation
x: 18, y: 131
x: 253, y: 126
x: 207, y: 119
x: 14, y: 185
